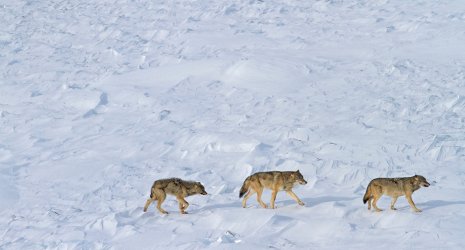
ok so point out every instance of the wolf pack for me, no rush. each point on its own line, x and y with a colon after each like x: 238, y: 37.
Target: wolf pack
x: 284, y: 181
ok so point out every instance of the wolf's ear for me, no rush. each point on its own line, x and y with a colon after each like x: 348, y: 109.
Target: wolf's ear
x: 298, y: 171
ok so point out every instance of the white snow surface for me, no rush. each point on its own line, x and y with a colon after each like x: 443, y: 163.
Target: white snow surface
x: 100, y: 98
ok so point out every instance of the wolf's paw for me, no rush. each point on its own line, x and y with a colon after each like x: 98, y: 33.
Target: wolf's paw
x: 393, y: 208
x: 378, y: 210
x: 301, y: 203
x: 184, y: 212
x: 417, y: 210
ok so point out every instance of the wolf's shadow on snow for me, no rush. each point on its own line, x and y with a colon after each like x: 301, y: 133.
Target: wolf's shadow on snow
x: 309, y: 202
x: 437, y: 203
x: 236, y: 204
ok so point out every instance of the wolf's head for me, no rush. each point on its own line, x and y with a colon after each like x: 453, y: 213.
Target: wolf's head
x: 420, y: 180
x: 299, y: 177
x: 199, y: 188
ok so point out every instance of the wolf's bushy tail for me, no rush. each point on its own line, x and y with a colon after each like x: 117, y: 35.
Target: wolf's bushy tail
x: 367, y: 195
x: 245, y: 187
x: 152, y: 194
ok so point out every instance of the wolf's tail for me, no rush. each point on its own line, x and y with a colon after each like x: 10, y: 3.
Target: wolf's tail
x: 245, y: 187
x: 367, y: 195
x: 152, y: 193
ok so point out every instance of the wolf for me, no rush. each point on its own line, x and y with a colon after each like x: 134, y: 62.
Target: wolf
x: 274, y: 180
x: 393, y: 187
x: 174, y: 186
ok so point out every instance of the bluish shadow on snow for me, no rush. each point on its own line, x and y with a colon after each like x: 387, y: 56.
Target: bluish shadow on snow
x: 431, y: 204
x: 311, y: 202
x: 437, y: 203
x: 237, y: 204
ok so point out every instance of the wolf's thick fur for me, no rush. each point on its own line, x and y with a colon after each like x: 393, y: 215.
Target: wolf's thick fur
x: 176, y: 187
x: 393, y: 187
x: 274, y: 180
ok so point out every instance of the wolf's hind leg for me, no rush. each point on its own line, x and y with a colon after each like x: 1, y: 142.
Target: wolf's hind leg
x: 375, y: 200
x: 149, y: 201
x: 247, y: 196
x: 147, y: 204
x: 161, y: 195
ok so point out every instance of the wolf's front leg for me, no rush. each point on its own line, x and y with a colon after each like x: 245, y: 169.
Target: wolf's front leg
x: 273, y: 198
x: 183, y: 204
x: 412, y: 204
x: 393, y: 201
x: 294, y: 196
x: 259, y: 198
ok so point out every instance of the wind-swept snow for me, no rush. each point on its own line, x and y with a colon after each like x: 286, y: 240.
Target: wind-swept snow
x: 98, y: 100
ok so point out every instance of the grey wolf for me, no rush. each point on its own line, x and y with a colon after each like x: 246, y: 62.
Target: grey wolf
x: 274, y: 180
x: 394, y: 187
x: 174, y: 186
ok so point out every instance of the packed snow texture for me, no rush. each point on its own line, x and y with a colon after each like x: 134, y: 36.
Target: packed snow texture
x: 100, y: 98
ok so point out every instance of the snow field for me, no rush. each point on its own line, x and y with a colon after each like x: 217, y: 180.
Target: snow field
x: 97, y: 100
